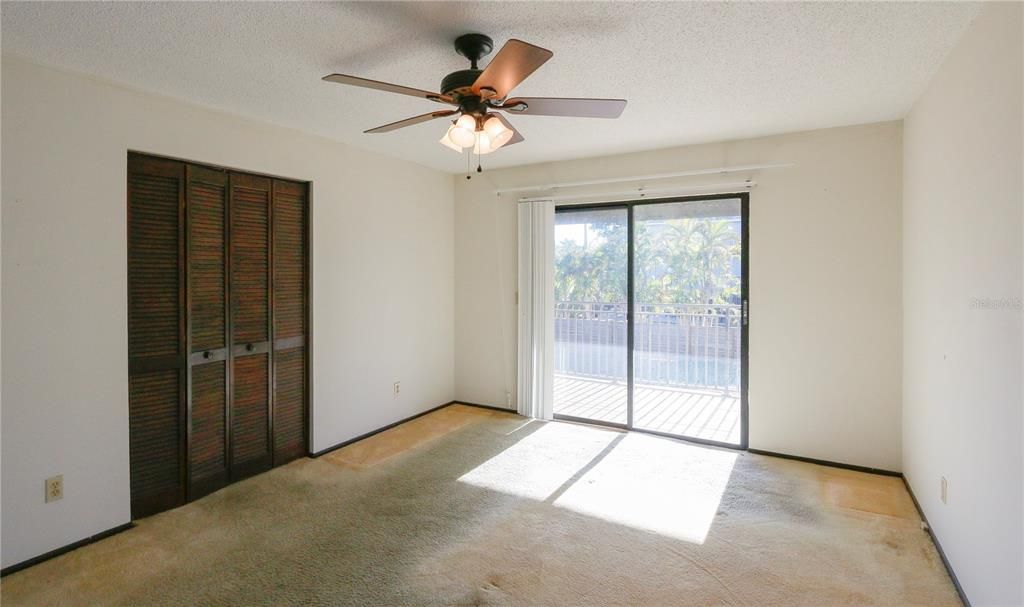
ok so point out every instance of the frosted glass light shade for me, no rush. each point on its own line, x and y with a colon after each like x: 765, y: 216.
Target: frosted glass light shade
x: 447, y: 140
x: 498, y: 133
x: 463, y: 133
x: 484, y: 145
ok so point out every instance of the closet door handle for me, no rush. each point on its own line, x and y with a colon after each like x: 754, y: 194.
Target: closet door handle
x: 207, y: 355
x: 249, y: 347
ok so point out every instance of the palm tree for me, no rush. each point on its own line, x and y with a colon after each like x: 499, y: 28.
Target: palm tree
x: 681, y: 261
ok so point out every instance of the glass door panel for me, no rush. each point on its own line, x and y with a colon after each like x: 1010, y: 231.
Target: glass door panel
x: 688, y: 311
x: 591, y: 304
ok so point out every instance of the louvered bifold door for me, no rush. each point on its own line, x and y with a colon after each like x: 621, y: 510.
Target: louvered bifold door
x: 207, y: 330
x: 249, y: 287
x: 289, y: 319
x: 156, y: 334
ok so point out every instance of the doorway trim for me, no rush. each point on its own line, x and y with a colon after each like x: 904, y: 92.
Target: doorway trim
x: 744, y: 198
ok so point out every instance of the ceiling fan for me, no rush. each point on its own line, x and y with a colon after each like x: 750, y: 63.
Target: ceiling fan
x: 477, y: 93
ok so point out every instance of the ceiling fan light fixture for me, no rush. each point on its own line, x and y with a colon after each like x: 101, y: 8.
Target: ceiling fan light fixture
x: 447, y: 140
x: 497, y: 132
x: 463, y: 132
x: 484, y: 144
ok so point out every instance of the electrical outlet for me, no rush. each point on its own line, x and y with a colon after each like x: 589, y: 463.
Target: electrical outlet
x: 398, y: 388
x: 943, y: 489
x: 54, y: 488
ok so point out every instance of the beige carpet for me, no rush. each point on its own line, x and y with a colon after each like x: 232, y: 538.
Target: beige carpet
x: 472, y: 507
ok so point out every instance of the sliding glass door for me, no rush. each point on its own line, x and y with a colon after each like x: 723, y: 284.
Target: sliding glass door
x: 650, y: 316
x: 591, y: 304
x: 688, y: 311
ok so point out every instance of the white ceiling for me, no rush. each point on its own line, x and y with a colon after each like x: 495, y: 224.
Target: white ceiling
x: 692, y: 72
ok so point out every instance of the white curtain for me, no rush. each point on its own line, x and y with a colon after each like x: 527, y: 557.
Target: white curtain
x: 536, y: 308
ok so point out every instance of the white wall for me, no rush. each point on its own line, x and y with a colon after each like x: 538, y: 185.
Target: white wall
x: 962, y: 219
x: 824, y: 283
x: 382, y: 283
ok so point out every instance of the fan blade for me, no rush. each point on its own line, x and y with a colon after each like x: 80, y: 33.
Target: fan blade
x: 387, y: 87
x: 513, y: 63
x: 516, y: 137
x: 565, y: 106
x: 411, y: 121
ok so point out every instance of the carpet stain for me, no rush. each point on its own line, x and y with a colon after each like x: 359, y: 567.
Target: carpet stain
x: 474, y: 507
x: 873, y: 494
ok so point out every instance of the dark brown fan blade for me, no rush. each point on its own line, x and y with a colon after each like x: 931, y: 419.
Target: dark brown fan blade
x: 516, y: 137
x: 565, y: 106
x: 513, y: 63
x: 412, y: 121
x: 387, y: 87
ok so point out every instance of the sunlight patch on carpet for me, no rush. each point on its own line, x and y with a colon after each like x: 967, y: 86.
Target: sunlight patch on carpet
x: 539, y: 464
x: 644, y: 482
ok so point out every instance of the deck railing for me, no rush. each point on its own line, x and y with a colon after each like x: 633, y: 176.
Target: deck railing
x: 674, y: 344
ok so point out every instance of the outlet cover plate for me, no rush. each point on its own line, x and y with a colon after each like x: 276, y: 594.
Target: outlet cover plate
x: 54, y: 488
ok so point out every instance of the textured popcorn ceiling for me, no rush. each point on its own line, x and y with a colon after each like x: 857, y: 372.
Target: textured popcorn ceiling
x: 692, y: 72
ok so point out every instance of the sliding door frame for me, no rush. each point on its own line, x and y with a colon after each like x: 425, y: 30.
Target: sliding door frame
x: 567, y: 209
x: 744, y: 198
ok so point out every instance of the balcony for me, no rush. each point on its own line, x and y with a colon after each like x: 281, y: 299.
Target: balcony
x: 686, y: 367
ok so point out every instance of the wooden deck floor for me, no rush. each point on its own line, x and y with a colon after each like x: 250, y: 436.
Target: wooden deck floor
x: 697, y: 413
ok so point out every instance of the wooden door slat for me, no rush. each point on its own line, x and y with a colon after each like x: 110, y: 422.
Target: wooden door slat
x: 208, y: 389
x: 249, y: 420
x: 207, y: 452
x: 207, y: 204
x: 249, y: 292
x: 155, y: 334
x: 289, y: 315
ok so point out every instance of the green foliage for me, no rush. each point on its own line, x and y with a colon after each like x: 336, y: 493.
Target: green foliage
x: 594, y: 270
x: 678, y: 261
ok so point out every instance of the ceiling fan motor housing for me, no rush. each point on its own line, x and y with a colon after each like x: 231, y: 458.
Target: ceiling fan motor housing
x: 459, y: 84
x: 473, y: 47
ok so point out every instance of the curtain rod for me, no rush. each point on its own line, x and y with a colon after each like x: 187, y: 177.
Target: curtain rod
x: 643, y: 192
x: 714, y: 171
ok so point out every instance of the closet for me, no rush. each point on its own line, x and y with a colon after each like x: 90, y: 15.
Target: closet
x: 217, y: 327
